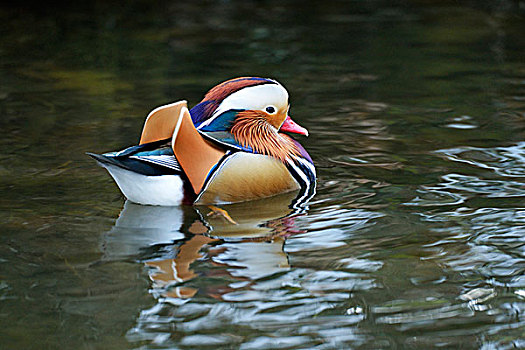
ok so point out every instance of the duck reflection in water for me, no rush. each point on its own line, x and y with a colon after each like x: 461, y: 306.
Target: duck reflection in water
x: 242, y: 241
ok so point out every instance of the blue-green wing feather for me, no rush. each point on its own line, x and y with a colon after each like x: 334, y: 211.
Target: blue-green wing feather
x: 151, y: 159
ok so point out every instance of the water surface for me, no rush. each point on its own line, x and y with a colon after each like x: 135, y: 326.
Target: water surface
x: 415, y: 239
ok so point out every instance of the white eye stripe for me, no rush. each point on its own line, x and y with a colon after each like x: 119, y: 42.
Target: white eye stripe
x: 256, y: 98
x: 253, y: 98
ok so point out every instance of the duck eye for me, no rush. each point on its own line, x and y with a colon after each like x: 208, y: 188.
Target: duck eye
x: 270, y: 109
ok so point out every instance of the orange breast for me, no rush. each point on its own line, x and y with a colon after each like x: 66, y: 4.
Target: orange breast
x: 247, y: 176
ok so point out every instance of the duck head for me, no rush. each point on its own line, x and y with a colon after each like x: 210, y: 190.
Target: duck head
x: 254, y: 111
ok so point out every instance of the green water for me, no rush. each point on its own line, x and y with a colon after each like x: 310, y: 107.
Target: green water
x: 415, y: 239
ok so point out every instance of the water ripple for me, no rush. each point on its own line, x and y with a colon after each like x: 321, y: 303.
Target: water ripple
x: 271, y: 285
x: 456, y: 189
x: 504, y: 161
x: 492, y: 240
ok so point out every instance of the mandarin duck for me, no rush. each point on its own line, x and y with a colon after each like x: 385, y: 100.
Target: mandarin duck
x: 228, y: 148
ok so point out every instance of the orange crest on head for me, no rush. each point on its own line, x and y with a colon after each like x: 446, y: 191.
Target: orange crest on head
x: 220, y: 92
x: 213, y: 98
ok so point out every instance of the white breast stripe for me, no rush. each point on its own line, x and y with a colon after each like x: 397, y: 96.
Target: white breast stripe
x: 309, y: 165
x: 304, y: 177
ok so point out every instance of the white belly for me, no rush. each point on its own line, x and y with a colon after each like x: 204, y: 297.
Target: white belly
x: 149, y: 190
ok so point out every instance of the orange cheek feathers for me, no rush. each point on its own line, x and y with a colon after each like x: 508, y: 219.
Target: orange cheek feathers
x: 277, y: 119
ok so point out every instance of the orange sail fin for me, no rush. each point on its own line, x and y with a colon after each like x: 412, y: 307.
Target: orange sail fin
x: 195, y: 155
x: 160, y: 123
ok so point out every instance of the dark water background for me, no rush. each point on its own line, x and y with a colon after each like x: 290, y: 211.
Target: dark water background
x: 416, y: 238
